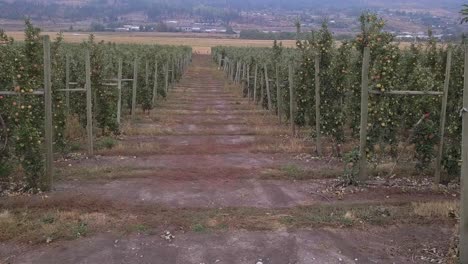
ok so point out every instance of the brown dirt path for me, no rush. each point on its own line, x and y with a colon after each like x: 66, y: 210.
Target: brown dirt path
x: 204, y: 149
x: 209, y: 147
x: 320, y: 246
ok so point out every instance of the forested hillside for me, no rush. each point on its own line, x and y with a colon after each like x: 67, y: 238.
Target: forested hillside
x: 81, y: 9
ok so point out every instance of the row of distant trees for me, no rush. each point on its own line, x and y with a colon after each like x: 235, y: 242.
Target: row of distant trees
x: 155, y: 10
x: 258, y: 34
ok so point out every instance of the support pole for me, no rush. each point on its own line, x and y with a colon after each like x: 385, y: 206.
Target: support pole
x: 364, y: 115
x: 245, y: 70
x: 292, y: 104
x: 155, y: 85
x: 262, y: 89
x: 443, y: 115
x: 249, y: 92
x: 278, y: 93
x: 67, y: 83
x: 234, y: 72
x: 267, y: 83
x: 166, y: 78
x: 226, y: 66
x: 238, y: 71
x: 147, y: 73
x: 172, y: 73
x: 89, y: 104
x: 119, y: 90
x: 134, y: 88
x: 255, y: 84
x: 317, y: 106
x: 463, y: 247
x: 49, y: 133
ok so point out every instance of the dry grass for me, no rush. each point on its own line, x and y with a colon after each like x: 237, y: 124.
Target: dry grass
x: 46, y: 226
x: 293, y: 172
x: 200, y: 45
x: 260, y: 119
x: 165, y: 129
x: 272, y: 130
x: 174, y: 112
x: 73, y: 128
x: 293, y: 145
x: 233, y: 89
x: 438, y: 209
x: 101, y: 172
x: 210, y: 110
x: 157, y: 130
x: 52, y: 219
x: 133, y: 148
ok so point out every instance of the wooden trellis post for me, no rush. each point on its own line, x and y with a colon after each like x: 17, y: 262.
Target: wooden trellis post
x: 241, y: 74
x: 225, y: 66
x: 278, y: 93
x: 119, y: 91
x: 255, y: 84
x: 248, y: 83
x: 134, y: 88
x: 166, y: 77
x: 49, y: 132
x: 238, y: 71
x: 364, y: 115
x: 267, y: 83
x: 317, y: 106
x: 179, y: 67
x: 155, y: 86
x: 463, y: 246
x: 89, y: 104
x: 292, y: 104
x: 230, y: 66
x: 245, y: 70
x: 443, y: 115
x: 147, y: 73
x: 262, y: 89
x: 67, y: 82
x: 233, y: 70
x: 172, y: 72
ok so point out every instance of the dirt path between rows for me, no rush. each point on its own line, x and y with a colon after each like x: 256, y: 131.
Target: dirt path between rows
x: 204, y: 149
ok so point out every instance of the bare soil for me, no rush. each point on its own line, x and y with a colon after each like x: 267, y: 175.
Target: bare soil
x: 233, y: 187
x: 321, y: 246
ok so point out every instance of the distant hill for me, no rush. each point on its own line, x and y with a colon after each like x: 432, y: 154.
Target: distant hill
x: 249, y: 4
x: 112, y: 12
